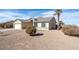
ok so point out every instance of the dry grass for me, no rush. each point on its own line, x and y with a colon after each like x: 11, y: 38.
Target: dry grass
x: 71, y: 30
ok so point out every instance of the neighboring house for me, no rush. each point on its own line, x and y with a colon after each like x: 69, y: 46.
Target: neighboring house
x: 46, y: 23
x: 78, y: 25
x: 21, y: 24
x: 14, y: 24
x: 17, y: 24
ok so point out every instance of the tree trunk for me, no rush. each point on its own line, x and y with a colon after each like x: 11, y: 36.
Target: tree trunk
x: 58, y: 27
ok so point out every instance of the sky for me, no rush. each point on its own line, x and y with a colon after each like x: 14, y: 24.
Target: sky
x: 68, y: 16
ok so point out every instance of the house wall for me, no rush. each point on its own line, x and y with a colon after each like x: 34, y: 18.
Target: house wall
x: 17, y: 24
x: 77, y: 25
x: 52, y: 24
x: 39, y: 26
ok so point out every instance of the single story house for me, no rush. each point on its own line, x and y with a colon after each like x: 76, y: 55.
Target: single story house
x: 46, y: 23
x: 17, y: 24
x: 21, y: 24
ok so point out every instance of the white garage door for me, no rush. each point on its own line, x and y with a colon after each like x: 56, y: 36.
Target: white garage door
x: 17, y: 26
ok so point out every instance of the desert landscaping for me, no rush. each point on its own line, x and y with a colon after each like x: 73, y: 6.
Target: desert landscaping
x: 41, y: 33
x: 44, y: 40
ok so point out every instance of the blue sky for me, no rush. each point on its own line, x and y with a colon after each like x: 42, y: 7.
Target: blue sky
x: 69, y: 16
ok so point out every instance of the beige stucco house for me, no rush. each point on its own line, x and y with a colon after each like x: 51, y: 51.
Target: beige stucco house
x: 46, y: 23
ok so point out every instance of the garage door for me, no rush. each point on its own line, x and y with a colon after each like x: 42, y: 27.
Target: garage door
x: 17, y: 26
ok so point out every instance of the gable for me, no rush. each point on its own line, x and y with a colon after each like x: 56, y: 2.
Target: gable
x: 17, y: 22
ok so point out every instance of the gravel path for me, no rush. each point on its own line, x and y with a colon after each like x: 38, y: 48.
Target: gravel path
x: 44, y: 40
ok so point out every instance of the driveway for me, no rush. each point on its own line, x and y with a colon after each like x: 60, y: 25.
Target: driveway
x: 44, y: 40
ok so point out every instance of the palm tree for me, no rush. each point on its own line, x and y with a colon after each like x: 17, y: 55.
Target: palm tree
x: 58, y: 13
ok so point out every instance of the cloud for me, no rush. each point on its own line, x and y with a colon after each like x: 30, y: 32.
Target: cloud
x: 66, y: 17
x: 36, y: 16
x: 70, y: 18
x: 48, y: 14
x: 7, y: 16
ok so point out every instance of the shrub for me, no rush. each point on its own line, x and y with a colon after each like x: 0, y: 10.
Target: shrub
x: 1, y: 26
x: 71, y: 30
x: 31, y: 30
x: 66, y: 27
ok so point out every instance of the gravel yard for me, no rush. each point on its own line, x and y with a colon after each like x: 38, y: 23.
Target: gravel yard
x: 44, y: 40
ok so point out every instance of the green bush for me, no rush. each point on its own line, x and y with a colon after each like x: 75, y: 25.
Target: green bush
x: 71, y: 30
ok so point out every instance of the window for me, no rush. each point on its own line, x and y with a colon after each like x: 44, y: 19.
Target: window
x: 43, y: 25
